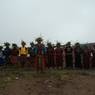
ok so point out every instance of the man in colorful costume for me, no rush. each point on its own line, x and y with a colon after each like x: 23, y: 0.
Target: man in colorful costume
x: 23, y: 53
x: 40, y: 52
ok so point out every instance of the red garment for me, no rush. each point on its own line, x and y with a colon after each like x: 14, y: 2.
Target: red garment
x: 14, y: 56
x: 14, y: 59
x: 14, y: 52
x: 86, y: 59
x: 40, y: 61
x: 93, y: 59
x: 50, y: 57
x: 59, y: 57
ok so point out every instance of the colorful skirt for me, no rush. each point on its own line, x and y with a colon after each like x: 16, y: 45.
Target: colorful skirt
x: 40, y: 62
x: 14, y: 59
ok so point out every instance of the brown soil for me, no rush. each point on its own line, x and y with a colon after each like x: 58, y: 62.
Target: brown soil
x: 56, y: 83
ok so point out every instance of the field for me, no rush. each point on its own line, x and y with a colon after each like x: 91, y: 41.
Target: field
x: 15, y: 81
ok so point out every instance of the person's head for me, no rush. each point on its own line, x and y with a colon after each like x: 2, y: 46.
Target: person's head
x: 32, y: 44
x: 49, y: 44
x: 58, y: 45
x: 68, y: 44
x: 39, y: 40
x: 14, y: 45
x: 7, y: 44
x: 23, y: 43
x: 77, y: 44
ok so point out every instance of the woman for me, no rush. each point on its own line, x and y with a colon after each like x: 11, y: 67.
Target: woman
x: 59, y: 56
x: 14, y: 54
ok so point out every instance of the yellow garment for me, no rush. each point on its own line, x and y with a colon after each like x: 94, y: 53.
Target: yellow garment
x: 23, y: 51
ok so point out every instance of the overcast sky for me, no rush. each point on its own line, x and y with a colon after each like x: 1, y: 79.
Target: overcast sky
x: 54, y: 20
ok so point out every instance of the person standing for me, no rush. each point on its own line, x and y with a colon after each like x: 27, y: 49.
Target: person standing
x: 78, y: 55
x: 23, y: 53
x: 50, y: 56
x: 40, y: 52
x: 93, y: 57
x: 86, y: 57
x: 59, y: 56
x: 14, y: 54
x: 2, y: 58
x: 69, y: 55
x: 32, y: 54
x: 7, y: 52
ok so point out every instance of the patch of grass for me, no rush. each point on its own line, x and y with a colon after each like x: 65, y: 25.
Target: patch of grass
x: 9, y: 75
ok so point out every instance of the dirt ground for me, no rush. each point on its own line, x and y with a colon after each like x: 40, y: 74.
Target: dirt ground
x: 52, y: 82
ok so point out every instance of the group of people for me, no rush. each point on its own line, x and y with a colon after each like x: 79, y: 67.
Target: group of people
x: 40, y: 56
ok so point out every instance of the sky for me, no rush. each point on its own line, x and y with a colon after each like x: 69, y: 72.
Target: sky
x: 54, y: 20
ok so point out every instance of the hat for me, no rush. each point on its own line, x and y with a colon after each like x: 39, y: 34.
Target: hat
x: 31, y: 43
x: 39, y: 39
x: 14, y: 45
x: 23, y: 43
x: 77, y: 44
x: 7, y: 44
x: 58, y: 44
x: 68, y: 44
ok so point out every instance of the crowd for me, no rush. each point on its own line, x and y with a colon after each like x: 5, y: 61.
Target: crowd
x: 40, y: 57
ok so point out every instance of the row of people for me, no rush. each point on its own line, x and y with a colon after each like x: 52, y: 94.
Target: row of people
x: 40, y: 56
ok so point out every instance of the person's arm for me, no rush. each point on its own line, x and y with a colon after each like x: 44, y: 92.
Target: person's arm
x: 27, y: 52
x: 19, y: 49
